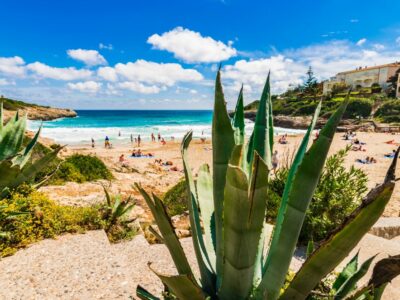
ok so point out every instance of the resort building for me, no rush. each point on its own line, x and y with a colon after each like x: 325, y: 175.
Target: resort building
x: 364, y: 77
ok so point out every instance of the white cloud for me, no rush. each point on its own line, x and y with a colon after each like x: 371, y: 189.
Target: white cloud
x: 107, y: 73
x: 156, y: 73
x: 354, y: 21
x: 253, y: 73
x: 85, y: 86
x: 139, y: 87
x: 379, y: 46
x: 106, y: 46
x: 89, y: 57
x: 13, y: 66
x: 361, y: 42
x: 191, y: 46
x: 66, y: 74
x: 289, y: 67
x: 4, y: 82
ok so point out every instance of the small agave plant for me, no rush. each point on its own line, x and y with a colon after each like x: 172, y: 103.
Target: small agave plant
x: 238, y: 258
x: 14, y: 166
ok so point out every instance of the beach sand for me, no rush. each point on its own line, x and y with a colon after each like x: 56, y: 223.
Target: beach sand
x: 158, y: 179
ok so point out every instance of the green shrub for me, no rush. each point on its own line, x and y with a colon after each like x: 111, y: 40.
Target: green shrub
x: 389, y: 112
x: 307, y: 109
x: 81, y: 168
x: 175, y: 199
x: 45, y: 219
x: 358, y: 107
x: 338, y: 193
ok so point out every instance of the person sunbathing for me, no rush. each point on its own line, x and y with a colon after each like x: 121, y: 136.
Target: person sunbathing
x: 163, y: 142
x: 123, y: 161
x: 390, y: 155
x: 358, y: 148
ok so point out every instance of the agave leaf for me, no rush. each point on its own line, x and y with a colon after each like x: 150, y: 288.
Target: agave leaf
x: 238, y: 120
x: 244, y: 213
x: 203, y: 257
x: 260, y: 140
x: 206, y: 203
x: 346, y: 273
x: 108, y: 197
x: 334, y: 249
x: 222, y: 144
x: 30, y: 171
x: 385, y: 270
x: 22, y: 158
x: 164, y: 224
x: 156, y: 234
x: 351, y: 282
x: 143, y: 294
x: 11, y: 138
x: 302, y: 179
x: 378, y: 292
x: 182, y: 286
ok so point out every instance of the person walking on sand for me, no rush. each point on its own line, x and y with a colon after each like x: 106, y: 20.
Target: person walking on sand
x: 159, y: 136
x: 275, y: 161
x: 131, y: 138
x: 107, y: 142
x: 92, y: 143
x: 153, y: 138
x: 138, y: 140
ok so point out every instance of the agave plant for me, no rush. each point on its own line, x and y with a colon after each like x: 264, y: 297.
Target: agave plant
x: 238, y: 258
x: 116, y: 209
x: 14, y: 167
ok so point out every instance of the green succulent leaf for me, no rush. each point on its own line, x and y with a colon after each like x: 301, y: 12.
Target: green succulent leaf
x: 222, y: 144
x: 302, y: 179
x: 335, y: 248
x: 238, y: 120
x: 164, y: 224
x: 182, y: 286
x: 244, y: 213
x: 346, y: 273
x: 351, y: 282
x: 143, y: 294
x: 385, y: 270
x: 206, y: 203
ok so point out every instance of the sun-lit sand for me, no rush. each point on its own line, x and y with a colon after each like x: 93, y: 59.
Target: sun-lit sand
x: 159, y: 179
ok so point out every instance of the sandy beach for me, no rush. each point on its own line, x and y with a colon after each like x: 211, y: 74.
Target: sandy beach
x: 159, y: 179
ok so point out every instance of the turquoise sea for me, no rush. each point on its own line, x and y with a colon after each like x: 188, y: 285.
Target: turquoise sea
x: 120, y: 124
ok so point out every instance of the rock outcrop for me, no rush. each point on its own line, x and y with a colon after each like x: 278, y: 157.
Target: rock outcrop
x: 42, y: 113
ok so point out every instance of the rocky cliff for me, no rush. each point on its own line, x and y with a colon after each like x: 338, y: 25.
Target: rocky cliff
x: 33, y: 111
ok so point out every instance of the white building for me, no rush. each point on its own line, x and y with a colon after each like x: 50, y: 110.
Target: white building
x: 364, y: 77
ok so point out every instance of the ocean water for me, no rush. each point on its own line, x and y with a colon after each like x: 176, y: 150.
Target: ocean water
x: 118, y: 125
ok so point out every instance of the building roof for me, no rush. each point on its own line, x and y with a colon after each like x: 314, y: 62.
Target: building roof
x: 395, y: 64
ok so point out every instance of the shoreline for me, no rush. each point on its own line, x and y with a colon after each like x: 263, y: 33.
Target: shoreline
x: 159, y: 179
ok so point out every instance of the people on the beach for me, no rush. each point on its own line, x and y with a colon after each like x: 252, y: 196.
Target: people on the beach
x: 93, y: 143
x: 131, y: 138
x: 153, y: 138
x: 367, y: 160
x: 138, y: 140
x: 282, y: 140
x: 163, y: 142
x: 390, y: 155
x: 107, y: 143
x: 159, y: 136
x: 123, y: 161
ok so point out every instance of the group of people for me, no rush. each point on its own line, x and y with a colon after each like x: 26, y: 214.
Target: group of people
x: 283, y: 139
x: 167, y: 163
x: 138, y: 153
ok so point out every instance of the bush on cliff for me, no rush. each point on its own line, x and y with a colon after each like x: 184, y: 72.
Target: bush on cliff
x: 389, y: 112
x: 358, y: 107
x: 81, y: 168
x: 175, y: 199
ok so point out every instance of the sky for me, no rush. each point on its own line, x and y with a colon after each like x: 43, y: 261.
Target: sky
x: 127, y: 54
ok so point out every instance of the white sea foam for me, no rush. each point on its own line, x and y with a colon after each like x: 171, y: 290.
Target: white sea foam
x: 77, y: 135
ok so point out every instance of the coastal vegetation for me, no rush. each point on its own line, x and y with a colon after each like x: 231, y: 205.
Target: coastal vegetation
x: 232, y: 202
x: 80, y: 168
x: 26, y: 215
x: 364, y: 102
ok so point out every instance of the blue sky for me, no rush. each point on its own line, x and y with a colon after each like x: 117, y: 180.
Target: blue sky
x: 163, y: 54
